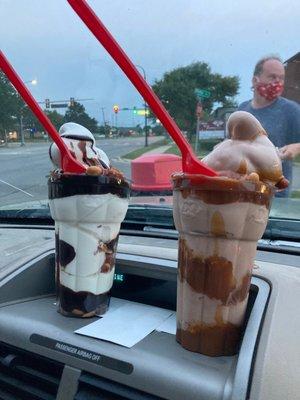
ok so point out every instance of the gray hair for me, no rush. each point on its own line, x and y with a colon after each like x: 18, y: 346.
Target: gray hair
x: 260, y: 63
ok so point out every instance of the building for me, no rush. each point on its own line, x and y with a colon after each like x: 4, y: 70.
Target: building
x: 292, y: 78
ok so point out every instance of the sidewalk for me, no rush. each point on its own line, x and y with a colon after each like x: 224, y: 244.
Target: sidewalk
x: 14, y: 145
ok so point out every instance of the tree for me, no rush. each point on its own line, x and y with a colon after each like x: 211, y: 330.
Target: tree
x: 138, y: 128
x: 177, y: 91
x: 77, y: 113
x: 56, y: 118
x: 10, y: 104
x: 159, y: 130
x: 103, y: 130
x: 13, y: 108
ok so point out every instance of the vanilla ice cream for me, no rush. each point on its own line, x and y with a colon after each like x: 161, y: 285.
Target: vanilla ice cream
x: 247, y: 150
x: 81, y: 143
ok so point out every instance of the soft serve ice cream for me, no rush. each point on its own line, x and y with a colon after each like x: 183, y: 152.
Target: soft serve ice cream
x: 81, y: 143
x: 88, y: 210
x: 219, y: 220
x: 247, y: 151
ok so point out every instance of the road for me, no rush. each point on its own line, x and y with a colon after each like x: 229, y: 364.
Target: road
x: 28, y: 167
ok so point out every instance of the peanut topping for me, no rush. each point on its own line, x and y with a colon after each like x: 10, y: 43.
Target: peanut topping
x: 94, y: 170
x: 253, y: 177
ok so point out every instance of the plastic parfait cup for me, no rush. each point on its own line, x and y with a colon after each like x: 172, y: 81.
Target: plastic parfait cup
x: 219, y: 221
x: 88, y: 211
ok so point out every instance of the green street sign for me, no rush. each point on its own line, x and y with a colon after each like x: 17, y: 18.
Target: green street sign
x: 143, y: 112
x: 202, y: 93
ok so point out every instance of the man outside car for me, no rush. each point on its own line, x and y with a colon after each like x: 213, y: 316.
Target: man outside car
x: 279, y: 116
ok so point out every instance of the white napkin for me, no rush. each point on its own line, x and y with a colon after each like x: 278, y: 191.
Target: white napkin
x: 126, y: 325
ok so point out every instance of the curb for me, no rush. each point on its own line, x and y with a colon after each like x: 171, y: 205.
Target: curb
x: 158, y: 150
x: 120, y: 159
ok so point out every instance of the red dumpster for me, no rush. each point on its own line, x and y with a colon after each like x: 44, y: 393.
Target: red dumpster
x: 152, y: 173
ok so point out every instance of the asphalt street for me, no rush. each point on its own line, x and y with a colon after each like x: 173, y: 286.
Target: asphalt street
x: 24, y: 170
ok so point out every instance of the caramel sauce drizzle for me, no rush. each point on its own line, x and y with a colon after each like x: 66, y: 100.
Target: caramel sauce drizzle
x: 218, y: 224
x: 211, y: 276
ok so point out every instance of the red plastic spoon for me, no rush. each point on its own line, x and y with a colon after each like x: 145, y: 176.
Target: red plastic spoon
x: 69, y: 164
x: 190, y: 163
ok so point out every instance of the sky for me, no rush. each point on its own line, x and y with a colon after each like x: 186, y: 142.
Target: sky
x: 46, y: 40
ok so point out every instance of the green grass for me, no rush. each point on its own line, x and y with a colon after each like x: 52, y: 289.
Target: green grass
x: 138, y: 152
x: 205, y: 148
x: 173, y: 149
x: 295, y: 194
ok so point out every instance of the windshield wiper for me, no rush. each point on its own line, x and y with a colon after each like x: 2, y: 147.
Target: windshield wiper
x: 40, y: 215
x: 283, y: 229
x: 149, y: 220
x: 140, y: 216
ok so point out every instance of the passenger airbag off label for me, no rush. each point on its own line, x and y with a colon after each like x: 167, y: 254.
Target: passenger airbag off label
x: 86, y: 355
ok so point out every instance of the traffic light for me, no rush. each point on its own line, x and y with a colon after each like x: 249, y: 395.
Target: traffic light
x: 116, y: 109
x: 47, y: 102
x: 134, y: 110
x: 72, y: 101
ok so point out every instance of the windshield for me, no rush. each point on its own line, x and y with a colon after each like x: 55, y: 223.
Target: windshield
x: 203, y: 63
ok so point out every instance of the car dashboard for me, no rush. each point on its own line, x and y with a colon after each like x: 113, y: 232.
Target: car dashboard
x: 41, y: 356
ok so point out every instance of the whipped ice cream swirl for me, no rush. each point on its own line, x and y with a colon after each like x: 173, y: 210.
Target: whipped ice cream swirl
x: 247, y: 150
x: 81, y: 144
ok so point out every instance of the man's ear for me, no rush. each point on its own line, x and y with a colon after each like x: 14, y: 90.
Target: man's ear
x: 255, y: 81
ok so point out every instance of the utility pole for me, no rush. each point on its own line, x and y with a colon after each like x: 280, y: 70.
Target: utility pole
x: 199, y: 112
x: 116, y: 109
x: 33, y: 82
x: 103, y: 116
x: 6, y: 141
x: 146, y: 127
x: 21, y: 129
x: 200, y: 95
x: 145, y: 108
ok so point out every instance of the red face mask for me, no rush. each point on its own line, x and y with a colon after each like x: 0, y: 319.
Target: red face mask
x: 270, y: 91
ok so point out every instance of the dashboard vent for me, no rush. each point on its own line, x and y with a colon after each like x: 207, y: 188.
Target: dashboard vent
x: 27, y: 376
x: 93, y: 387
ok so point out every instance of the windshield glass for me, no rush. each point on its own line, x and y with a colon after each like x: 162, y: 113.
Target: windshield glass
x: 203, y: 63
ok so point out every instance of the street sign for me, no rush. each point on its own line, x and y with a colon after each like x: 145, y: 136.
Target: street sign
x: 202, y: 93
x: 143, y: 112
x: 137, y: 111
x: 59, y: 105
